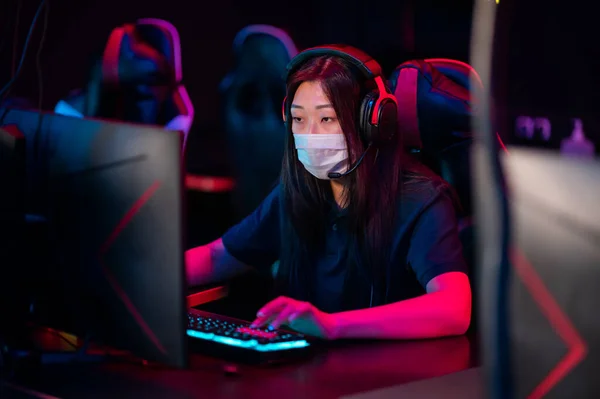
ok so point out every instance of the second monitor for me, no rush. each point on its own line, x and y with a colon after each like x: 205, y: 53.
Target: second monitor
x: 111, y: 194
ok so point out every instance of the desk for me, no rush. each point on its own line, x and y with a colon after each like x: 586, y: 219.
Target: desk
x: 342, y: 369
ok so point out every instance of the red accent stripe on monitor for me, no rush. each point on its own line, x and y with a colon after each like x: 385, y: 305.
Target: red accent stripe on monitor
x: 577, y: 348
x: 125, y: 220
x: 501, y: 143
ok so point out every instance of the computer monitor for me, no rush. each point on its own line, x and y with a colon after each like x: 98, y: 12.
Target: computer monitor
x: 112, y: 197
x: 555, y: 260
x: 538, y: 252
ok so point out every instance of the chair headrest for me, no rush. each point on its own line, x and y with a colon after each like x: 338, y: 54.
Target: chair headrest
x: 163, y: 36
x: 139, y: 77
x: 260, y: 51
x: 434, y: 102
x: 141, y: 54
x: 267, y: 30
x: 136, y: 79
x: 457, y: 71
x: 434, y: 113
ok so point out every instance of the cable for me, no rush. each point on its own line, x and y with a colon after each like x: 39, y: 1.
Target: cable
x: 38, y: 66
x: 15, y: 39
x: 39, y: 53
x: 5, y: 90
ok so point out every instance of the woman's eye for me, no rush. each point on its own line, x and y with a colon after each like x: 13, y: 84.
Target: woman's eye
x: 327, y: 119
x: 297, y: 119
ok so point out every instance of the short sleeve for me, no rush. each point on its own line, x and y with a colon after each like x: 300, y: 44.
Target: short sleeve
x: 435, y: 246
x: 255, y: 241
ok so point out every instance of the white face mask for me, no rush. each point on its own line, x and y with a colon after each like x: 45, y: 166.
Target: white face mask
x: 322, y: 153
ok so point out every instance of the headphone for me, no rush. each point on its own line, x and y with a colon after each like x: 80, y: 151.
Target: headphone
x: 378, y: 113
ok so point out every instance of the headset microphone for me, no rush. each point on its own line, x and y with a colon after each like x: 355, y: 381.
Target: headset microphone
x: 335, y: 175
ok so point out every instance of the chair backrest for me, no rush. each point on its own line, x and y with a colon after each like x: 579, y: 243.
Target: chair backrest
x: 435, y: 107
x: 241, y: 38
x: 251, y: 98
x: 138, y: 79
x: 180, y: 111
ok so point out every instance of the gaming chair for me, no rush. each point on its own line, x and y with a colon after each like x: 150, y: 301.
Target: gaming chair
x: 251, y: 96
x: 137, y: 79
x: 434, y: 114
x: 434, y: 111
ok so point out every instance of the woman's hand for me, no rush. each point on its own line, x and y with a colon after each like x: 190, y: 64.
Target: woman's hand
x: 300, y: 316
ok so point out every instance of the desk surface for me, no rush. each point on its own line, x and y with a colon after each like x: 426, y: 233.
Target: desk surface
x: 342, y: 369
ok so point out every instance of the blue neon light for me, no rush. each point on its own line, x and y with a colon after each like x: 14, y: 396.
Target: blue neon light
x: 251, y: 344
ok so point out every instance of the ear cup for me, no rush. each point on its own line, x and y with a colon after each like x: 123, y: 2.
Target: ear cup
x: 368, y: 132
x: 387, y: 120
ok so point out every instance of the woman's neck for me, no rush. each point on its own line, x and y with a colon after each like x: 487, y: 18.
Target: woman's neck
x: 339, y: 194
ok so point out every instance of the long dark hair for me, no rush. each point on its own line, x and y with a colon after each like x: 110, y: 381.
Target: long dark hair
x: 371, y: 193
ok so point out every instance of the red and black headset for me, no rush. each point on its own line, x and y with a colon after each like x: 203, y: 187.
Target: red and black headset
x: 378, y: 113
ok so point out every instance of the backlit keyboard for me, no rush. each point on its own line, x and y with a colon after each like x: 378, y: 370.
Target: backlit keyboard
x: 235, y: 340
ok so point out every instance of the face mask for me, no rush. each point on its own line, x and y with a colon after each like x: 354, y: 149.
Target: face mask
x: 322, y: 153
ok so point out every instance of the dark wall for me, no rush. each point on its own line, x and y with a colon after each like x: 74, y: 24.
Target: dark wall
x: 76, y: 28
x: 546, y: 62
x: 391, y: 30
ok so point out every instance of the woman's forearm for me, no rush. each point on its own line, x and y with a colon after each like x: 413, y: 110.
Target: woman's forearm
x: 439, y: 314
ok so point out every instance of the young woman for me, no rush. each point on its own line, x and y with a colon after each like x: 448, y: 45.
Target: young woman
x: 366, y: 239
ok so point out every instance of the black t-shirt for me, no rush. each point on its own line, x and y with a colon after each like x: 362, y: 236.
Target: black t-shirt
x: 425, y: 243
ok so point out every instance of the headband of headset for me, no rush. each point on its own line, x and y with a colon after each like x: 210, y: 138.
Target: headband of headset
x: 368, y: 66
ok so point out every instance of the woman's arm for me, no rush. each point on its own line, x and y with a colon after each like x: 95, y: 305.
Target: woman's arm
x: 445, y: 310
x: 436, y: 256
x: 254, y: 241
x: 211, y: 263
